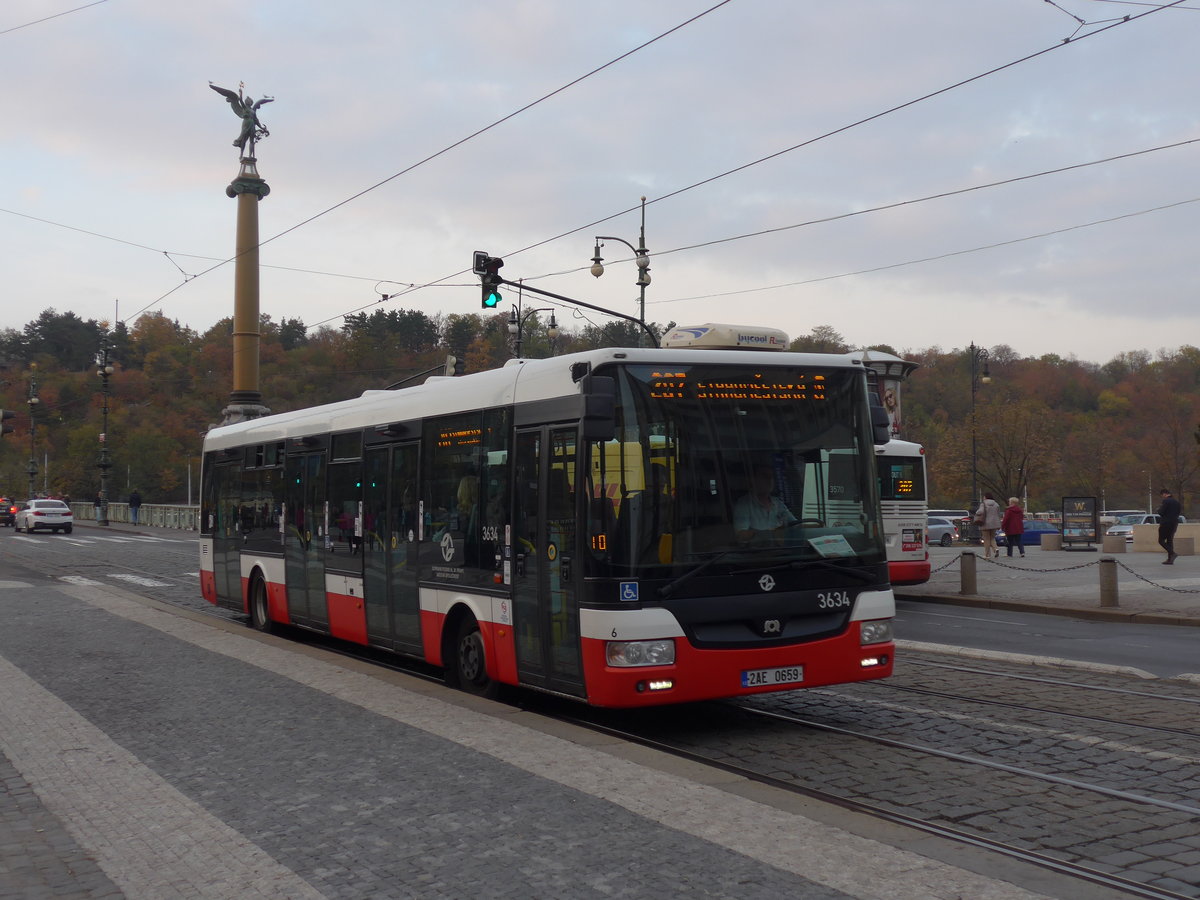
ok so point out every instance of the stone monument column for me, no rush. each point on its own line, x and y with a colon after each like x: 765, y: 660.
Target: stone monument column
x: 245, y: 401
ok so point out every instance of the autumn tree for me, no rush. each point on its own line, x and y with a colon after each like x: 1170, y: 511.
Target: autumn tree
x: 822, y: 339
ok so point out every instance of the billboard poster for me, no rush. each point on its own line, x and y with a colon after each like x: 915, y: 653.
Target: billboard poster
x: 1080, y: 520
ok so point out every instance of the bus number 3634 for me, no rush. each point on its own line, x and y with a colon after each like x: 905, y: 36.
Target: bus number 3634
x: 833, y: 600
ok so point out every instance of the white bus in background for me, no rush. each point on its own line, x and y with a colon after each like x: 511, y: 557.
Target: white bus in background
x: 902, y: 498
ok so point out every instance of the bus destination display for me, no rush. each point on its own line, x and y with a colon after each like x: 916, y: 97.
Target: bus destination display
x: 681, y: 386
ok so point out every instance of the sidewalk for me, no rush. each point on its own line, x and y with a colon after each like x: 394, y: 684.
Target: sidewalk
x: 1067, y: 582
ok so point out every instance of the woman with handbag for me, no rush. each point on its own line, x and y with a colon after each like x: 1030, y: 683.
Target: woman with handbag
x: 987, y: 517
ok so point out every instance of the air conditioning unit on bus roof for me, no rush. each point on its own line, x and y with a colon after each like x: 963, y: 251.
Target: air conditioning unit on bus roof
x: 712, y: 336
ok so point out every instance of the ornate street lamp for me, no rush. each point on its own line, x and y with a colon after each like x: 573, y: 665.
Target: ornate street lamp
x: 516, y: 324
x: 641, y: 256
x: 979, y: 356
x: 32, y: 468
x: 104, y: 369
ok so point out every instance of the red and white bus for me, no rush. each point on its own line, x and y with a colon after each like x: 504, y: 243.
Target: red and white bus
x: 903, y: 504
x: 566, y: 524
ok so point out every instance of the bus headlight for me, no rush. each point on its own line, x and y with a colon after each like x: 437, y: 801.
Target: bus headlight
x: 640, y: 653
x: 877, y: 632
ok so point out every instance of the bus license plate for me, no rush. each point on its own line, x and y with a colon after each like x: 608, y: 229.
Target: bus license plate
x: 771, y: 677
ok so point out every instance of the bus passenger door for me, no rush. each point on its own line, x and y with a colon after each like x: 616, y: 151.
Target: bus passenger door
x: 304, y: 536
x: 390, y: 533
x: 227, y: 541
x: 546, y: 610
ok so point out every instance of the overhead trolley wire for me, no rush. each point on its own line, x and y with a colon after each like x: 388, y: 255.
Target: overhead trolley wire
x: 672, y: 194
x: 460, y: 142
x: 65, y: 12
x: 844, y: 128
x: 948, y: 255
x: 938, y: 196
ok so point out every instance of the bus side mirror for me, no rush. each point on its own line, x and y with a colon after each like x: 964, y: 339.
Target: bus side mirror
x: 599, y: 407
x: 881, y: 425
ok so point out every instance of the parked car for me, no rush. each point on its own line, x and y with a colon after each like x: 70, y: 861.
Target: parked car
x: 1124, y: 524
x: 44, y: 515
x: 1032, y: 536
x: 954, y: 515
x: 8, y: 512
x: 941, y: 530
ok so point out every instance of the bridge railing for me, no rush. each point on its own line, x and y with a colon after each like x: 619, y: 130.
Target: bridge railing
x: 156, y: 515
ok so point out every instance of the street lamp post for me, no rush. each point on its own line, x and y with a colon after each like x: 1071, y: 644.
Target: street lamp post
x: 641, y: 256
x: 978, y: 356
x: 104, y: 369
x: 32, y: 468
x: 516, y: 325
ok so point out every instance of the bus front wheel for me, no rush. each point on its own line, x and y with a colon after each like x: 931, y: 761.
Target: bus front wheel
x: 470, y: 661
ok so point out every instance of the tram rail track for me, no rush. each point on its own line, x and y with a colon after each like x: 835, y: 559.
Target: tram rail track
x: 1075, y: 865
x: 996, y: 673
x: 880, y: 812
x: 1126, y: 796
x: 1021, y: 707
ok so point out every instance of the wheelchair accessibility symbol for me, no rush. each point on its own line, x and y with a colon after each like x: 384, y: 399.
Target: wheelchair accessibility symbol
x: 629, y: 591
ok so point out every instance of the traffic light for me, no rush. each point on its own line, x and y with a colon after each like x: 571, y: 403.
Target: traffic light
x: 455, y: 365
x: 488, y: 270
x: 5, y: 415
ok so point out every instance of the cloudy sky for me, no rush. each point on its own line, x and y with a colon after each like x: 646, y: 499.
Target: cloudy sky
x: 918, y: 174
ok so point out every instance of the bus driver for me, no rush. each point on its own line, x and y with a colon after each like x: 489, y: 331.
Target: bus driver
x: 759, y: 510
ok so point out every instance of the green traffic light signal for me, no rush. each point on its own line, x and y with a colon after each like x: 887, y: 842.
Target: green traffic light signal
x: 488, y: 270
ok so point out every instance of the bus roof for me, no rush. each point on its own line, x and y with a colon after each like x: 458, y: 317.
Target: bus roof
x: 899, y: 448
x: 518, y: 380
x: 715, y: 336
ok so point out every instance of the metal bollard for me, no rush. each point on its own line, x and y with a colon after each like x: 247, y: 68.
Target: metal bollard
x: 966, y: 564
x: 1108, y: 581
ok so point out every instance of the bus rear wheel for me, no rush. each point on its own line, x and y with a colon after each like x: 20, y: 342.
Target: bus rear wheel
x: 470, y: 661
x: 260, y: 617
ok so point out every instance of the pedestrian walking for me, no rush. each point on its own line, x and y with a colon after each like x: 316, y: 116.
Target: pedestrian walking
x: 135, y: 504
x: 1168, y: 521
x: 988, y: 518
x: 96, y: 503
x: 1013, y: 524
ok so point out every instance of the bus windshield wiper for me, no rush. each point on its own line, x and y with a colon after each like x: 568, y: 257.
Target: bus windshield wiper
x: 668, y: 589
x: 855, y: 571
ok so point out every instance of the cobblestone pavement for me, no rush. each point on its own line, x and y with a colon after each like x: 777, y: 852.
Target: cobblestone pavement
x: 145, y: 754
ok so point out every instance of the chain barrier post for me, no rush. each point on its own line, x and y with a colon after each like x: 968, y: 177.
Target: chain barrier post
x: 967, y: 574
x: 1108, y: 582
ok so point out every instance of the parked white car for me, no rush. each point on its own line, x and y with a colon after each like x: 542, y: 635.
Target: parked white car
x: 44, y: 515
x: 941, y: 530
x: 1124, y: 524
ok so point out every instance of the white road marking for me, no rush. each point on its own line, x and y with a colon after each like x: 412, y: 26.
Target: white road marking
x: 139, y: 579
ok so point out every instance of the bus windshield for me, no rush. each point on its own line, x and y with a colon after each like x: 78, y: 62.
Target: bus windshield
x: 733, y: 466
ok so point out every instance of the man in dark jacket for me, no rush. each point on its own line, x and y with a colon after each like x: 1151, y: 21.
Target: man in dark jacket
x: 1168, y: 521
